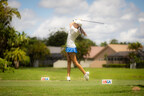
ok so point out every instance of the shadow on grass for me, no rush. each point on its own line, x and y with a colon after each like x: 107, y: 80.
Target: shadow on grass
x: 112, y: 92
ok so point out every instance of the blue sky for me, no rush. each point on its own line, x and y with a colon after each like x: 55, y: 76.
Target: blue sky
x: 43, y: 12
x: 138, y: 3
x: 124, y: 19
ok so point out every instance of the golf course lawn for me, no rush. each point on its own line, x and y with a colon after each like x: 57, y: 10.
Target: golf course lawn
x: 26, y: 82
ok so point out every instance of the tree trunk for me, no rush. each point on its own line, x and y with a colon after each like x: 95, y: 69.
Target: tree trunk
x: 5, y: 65
x: 3, y: 69
x: 36, y: 63
x: 16, y: 64
x: 133, y: 66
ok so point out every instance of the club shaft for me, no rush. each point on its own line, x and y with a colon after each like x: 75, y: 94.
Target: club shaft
x: 93, y: 21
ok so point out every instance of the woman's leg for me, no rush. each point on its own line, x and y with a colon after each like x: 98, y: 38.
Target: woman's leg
x: 68, y: 64
x: 74, y: 59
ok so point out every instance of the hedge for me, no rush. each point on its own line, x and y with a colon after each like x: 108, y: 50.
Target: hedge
x: 115, y: 65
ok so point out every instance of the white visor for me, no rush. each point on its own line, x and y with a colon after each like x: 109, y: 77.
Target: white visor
x: 78, y: 21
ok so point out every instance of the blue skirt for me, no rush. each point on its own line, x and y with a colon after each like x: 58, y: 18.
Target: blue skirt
x: 68, y: 49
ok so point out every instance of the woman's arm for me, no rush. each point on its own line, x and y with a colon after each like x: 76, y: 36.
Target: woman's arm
x: 77, y: 26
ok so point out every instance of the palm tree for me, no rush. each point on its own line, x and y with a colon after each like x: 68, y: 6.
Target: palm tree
x: 7, y: 32
x: 6, y: 13
x: 135, y: 46
x: 133, y: 55
x: 20, y: 40
x: 16, y: 55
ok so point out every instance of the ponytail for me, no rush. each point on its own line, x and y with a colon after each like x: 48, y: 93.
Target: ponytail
x: 82, y: 31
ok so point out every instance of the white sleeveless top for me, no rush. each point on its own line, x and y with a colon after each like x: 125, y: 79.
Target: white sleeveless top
x: 72, y: 35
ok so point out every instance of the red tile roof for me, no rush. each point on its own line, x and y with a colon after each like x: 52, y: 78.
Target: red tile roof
x: 94, y: 51
x: 119, y: 47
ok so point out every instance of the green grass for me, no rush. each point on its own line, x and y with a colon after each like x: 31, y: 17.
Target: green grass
x: 26, y: 82
x: 60, y: 74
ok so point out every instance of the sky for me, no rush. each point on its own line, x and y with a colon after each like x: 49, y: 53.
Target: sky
x: 124, y: 19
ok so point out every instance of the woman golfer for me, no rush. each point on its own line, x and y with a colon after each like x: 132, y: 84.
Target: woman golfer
x: 75, y: 30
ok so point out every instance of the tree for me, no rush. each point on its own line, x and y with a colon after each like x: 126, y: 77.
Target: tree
x: 83, y: 48
x: 37, y: 50
x: 134, y: 59
x: 12, y: 43
x: 16, y: 55
x: 7, y: 33
x: 4, y: 64
x: 114, y: 41
x: 135, y: 46
x: 57, y: 39
x: 6, y: 13
x: 103, y: 44
x: 125, y: 43
x: 90, y: 42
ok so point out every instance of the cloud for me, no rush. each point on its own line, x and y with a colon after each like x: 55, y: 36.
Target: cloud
x: 127, y: 17
x: 106, y: 8
x: 57, y: 3
x: 51, y: 25
x: 129, y: 35
x: 72, y: 7
x: 123, y: 21
x: 141, y: 17
x: 27, y: 22
x: 140, y: 34
x: 14, y: 3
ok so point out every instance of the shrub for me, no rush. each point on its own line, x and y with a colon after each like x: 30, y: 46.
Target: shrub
x: 5, y: 65
x: 115, y: 65
x: 140, y: 65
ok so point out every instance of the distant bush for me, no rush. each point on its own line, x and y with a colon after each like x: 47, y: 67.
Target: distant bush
x: 115, y: 65
x: 140, y: 65
x: 5, y: 65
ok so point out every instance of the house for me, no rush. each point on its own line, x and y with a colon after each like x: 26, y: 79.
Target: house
x: 55, y: 54
x: 95, y: 51
x: 119, y: 58
x: 97, y: 56
x: 100, y: 58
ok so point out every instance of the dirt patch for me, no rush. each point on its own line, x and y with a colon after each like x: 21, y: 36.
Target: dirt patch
x: 135, y: 88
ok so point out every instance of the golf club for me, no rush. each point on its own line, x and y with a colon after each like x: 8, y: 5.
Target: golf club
x: 91, y: 21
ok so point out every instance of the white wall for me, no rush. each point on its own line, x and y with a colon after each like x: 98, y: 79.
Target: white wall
x: 63, y: 64
x: 86, y: 63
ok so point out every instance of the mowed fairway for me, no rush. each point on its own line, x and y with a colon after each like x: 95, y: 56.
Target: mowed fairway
x: 26, y: 82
